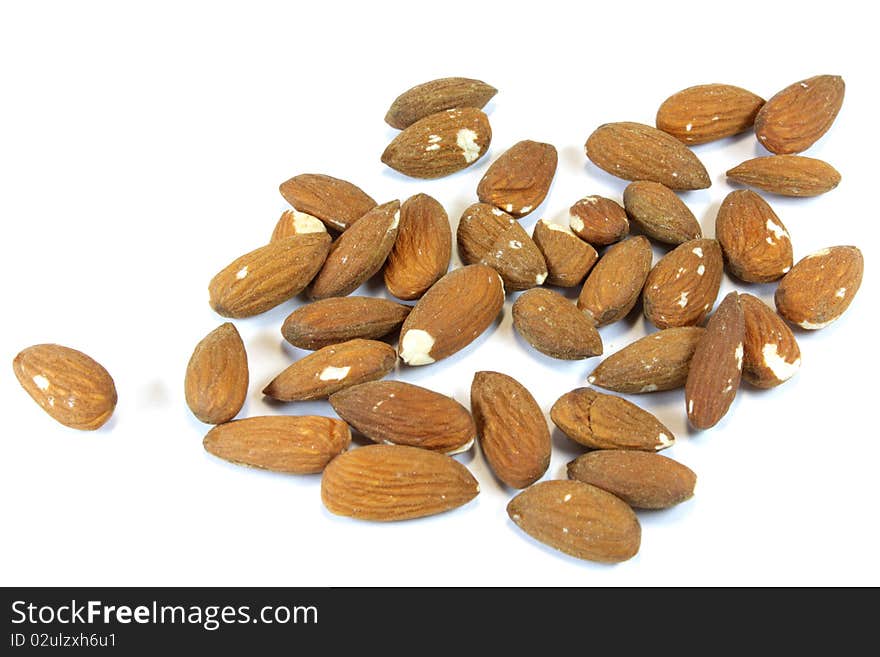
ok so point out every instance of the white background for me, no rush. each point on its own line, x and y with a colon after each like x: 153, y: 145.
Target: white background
x: 141, y: 148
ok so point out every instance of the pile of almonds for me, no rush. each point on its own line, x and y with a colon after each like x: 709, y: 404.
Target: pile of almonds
x: 336, y: 237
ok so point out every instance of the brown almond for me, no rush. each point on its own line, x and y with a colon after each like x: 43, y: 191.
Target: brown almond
x: 598, y: 220
x: 796, y: 117
x: 293, y: 222
x: 518, y: 181
x: 337, y: 203
x: 771, y: 354
x: 707, y: 112
x: 216, y: 380
x: 613, y: 286
x: 480, y: 227
x: 395, y: 482
x: 567, y: 256
x: 554, y: 326
x: 435, y: 96
x: 339, y: 319
x: 787, y: 175
x: 659, y: 213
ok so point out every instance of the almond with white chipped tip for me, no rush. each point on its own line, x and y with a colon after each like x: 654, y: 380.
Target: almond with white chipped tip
x: 787, y: 175
x: 554, y: 326
x: 338, y: 203
x: 681, y: 289
x: 512, y: 430
x: 435, y: 96
x: 578, y: 519
x: 771, y: 355
x: 601, y: 421
x: 613, y: 286
x: 656, y: 362
x: 569, y: 259
x: 293, y: 222
x: 399, y: 413
x: 660, y: 213
x: 70, y: 386
x: 216, y: 381
x: 708, y: 112
x: 440, y: 144
x: 518, y: 181
x: 330, y: 369
x: 716, y: 366
x: 453, y: 313
x: 598, y: 220
x: 339, y: 319
x: 820, y: 287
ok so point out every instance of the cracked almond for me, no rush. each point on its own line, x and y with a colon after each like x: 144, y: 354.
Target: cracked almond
x: 293, y: 222
x: 771, y: 354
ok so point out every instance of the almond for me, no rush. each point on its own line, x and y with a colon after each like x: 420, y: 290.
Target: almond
x: 613, y: 287
x: 512, y: 429
x: 659, y: 361
x: 294, y: 445
x: 518, y: 181
x: 440, y: 144
x: 337, y: 203
x: 451, y: 315
x: 707, y: 112
x: 216, y: 381
x: 716, y: 365
x: 422, y: 249
x: 659, y: 213
x: 682, y: 287
x: 598, y: 220
x: 268, y: 276
x: 600, y: 421
x: 754, y: 241
x: 770, y: 351
x: 796, y: 117
x: 435, y: 96
x: 395, y: 482
x: 293, y: 222
x: 320, y: 374
x: 634, y: 151
x: 787, y: 175
x: 406, y: 414
x: 338, y: 319
x: 642, y: 480
x: 819, y: 288
x: 567, y: 256
x: 578, y: 519
x: 358, y: 253
x: 69, y: 385
x: 554, y: 326
x: 480, y: 227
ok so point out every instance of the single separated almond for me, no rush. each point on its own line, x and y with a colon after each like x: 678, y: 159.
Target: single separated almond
x: 613, y: 286
x: 395, y: 482
x: 578, y: 519
x: 554, y: 326
x: 216, y: 380
x: 796, y: 117
x: 634, y: 151
x: 716, y: 365
x: 567, y: 256
x: 659, y: 361
x: 338, y: 319
x: 598, y: 220
x: 293, y: 222
x: 405, y: 414
x: 600, y: 421
x: 642, y: 480
x: 770, y: 351
x: 819, y: 288
x: 518, y: 181
x: 707, y: 112
x: 512, y: 429
x: 422, y: 250
x: 69, y: 385
x: 337, y: 203
x: 320, y: 374
x: 451, y: 315
x: 435, y: 96
x: 787, y: 175
x: 659, y: 212
x: 282, y: 443
x: 440, y: 144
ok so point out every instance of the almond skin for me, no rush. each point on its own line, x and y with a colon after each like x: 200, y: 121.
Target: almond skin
x: 796, y: 117
x: 707, y: 112
x: 518, y: 181
x: 600, y: 421
x: 659, y: 213
x: 216, y: 380
x: 406, y: 414
x: 293, y: 222
x: 634, y: 151
x: 598, y: 220
x: 578, y: 519
x: 819, y: 288
x: 659, y: 361
x: 395, y: 482
x: 613, y: 286
x: 293, y: 445
x: 787, y: 175
x: 771, y: 354
x: 642, y: 480
x: 337, y: 203
x: 339, y: 319
x: 421, y: 252
x: 435, y: 96
x: 567, y: 256
x: 440, y: 144
x: 266, y: 277
x: 451, y: 315
x: 328, y: 370
x: 682, y: 287
x: 69, y: 385
x: 512, y: 429
x: 480, y: 227
x: 554, y: 326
